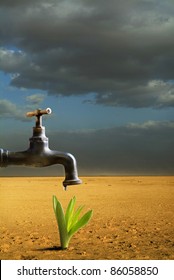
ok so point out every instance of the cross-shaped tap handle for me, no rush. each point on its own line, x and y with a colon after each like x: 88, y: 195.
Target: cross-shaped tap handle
x: 38, y: 114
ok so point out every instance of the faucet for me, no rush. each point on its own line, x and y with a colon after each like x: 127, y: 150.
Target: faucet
x: 39, y: 154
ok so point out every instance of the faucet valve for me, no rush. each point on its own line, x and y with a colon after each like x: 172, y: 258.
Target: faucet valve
x: 38, y: 114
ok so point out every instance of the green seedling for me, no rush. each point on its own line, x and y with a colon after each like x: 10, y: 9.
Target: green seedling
x: 69, y: 223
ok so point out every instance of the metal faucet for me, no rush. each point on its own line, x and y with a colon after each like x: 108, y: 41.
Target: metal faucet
x: 39, y: 154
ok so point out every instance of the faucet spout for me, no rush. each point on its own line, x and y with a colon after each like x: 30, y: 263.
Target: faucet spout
x: 70, y: 166
x: 39, y: 155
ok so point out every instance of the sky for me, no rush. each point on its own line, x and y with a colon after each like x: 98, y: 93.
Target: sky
x: 105, y: 68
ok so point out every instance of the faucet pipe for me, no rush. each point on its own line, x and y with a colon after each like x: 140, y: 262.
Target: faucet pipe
x: 39, y: 155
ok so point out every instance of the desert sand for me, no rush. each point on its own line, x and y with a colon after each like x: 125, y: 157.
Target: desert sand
x: 133, y: 218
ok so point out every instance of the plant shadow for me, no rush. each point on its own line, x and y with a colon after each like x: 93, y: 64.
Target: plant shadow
x: 54, y: 248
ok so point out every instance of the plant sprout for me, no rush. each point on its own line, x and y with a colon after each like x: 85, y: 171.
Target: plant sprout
x: 69, y: 223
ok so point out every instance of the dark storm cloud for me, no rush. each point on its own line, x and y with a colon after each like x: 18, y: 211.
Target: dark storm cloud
x: 145, y: 148
x: 120, y: 50
x: 133, y: 149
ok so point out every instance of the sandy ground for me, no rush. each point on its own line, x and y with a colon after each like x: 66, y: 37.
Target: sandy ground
x: 133, y: 218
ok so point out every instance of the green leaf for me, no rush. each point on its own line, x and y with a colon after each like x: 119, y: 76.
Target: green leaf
x: 75, y: 217
x: 69, y: 223
x: 82, y: 222
x: 69, y: 212
x: 61, y: 222
x: 54, y: 203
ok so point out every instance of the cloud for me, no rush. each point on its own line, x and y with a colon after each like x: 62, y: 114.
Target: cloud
x: 137, y: 149
x: 35, y: 99
x: 152, y: 125
x: 120, y: 50
x: 12, y: 61
x: 9, y: 110
x: 155, y: 93
x: 11, y: 3
x: 144, y: 148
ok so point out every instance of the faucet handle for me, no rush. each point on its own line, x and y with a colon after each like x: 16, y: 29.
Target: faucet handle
x: 38, y: 114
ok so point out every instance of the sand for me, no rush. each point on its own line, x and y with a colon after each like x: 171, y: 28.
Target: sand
x: 133, y: 218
